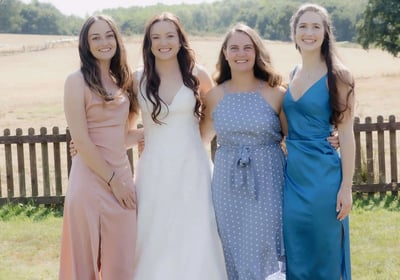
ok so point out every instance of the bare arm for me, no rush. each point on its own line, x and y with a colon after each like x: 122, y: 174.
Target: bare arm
x: 207, y: 124
x: 205, y: 80
x: 347, y: 152
x: 74, y: 108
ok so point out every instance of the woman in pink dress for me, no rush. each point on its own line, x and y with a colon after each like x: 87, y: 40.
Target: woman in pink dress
x: 100, y: 103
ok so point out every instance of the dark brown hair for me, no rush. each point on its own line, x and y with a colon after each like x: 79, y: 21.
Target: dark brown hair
x: 186, y: 60
x: 119, y: 68
x: 328, y: 52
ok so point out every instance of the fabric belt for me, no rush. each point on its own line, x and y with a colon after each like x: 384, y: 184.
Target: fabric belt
x: 243, y: 174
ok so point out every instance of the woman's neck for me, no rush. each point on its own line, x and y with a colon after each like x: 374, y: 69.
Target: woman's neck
x: 166, y: 68
x: 312, y: 61
x: 243, y: 82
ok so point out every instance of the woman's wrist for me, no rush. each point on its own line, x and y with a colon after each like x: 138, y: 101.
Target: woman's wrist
x: 110, y: 179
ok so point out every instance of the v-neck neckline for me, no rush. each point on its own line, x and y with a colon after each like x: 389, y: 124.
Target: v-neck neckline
x: 173, y: 98
x: 306, y: 91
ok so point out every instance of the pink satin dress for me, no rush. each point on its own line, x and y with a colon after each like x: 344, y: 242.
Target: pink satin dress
x: 98, y: 235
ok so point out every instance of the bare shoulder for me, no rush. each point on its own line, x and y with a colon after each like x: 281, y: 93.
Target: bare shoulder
x: 277, y: 92
x: 201, y: 72
x: 199, y: 69
x: 214, y: 95
x: 75, y: 78
x: 344, y: 74
x: 74, y: 86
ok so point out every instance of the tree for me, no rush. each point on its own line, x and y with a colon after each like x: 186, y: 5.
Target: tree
x: 10, y: 18
x: 381, y: 25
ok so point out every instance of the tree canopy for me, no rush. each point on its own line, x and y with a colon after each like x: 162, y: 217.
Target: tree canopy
x: 269, y: 17
x: 381, y: 26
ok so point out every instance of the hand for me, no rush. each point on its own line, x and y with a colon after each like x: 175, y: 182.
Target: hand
x: 72, y: 150
x: 334, y: 140
x: 124, y: 193
x: 140, y: 146
x: 344, y: 202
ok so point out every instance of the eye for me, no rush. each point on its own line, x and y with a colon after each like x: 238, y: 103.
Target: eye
x: 154, y: 37
x: 233, y: 48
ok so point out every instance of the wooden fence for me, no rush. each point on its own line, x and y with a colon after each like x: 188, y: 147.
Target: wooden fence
x: 36, y: 166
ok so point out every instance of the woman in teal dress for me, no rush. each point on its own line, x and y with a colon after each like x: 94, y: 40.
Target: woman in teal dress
x: 317, y: 193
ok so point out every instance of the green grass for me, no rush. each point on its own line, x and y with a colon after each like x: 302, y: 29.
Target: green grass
x: 30, y: 240
x: 375, y: 238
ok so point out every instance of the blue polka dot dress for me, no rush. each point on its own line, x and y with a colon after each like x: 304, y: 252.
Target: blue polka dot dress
x: 247, y: 185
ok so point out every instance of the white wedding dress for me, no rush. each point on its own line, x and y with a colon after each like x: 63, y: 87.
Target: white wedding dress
x: 177, y: 236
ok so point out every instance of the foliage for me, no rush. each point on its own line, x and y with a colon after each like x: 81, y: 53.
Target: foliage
x: 381, y: 25
x: 30, y: 210
x: 270, y: 18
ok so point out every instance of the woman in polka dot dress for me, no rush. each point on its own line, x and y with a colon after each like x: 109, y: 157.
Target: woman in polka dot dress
x: 243, y: 110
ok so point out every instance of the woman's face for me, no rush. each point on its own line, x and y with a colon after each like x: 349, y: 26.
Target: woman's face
x: 240, y: 52
x: 310, y: 32
x: 164, y: 38
x: 102, y: 42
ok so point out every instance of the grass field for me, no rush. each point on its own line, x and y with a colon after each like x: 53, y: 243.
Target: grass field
x: 30, y: 241
x: 32, y: 91
x: 32, y: 82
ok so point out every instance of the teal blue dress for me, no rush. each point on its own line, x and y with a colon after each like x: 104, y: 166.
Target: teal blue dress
x: 317, y: 244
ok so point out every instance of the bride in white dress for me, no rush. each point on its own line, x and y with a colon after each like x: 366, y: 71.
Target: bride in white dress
x: 177, y: 236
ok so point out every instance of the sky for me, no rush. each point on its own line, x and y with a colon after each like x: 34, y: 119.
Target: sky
x: 87, y: 7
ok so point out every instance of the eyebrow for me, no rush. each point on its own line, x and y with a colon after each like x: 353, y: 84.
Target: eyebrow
x: 97, y: 34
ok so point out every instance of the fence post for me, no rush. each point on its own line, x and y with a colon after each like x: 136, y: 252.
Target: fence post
x: 21, y: 165
x: 57, y: 164
x: 381, y: 154
x: 45, y: 164
x: 9, y: 166
x: 393, y: 151
x: 33, y: 164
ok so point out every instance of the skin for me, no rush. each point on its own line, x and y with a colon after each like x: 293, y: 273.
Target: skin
x: 240, y: 54
x: 103, y: 46
x: 165, y: 46
x: 309, y: 37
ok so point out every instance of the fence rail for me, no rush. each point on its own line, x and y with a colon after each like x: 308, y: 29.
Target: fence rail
x: 36, y: 166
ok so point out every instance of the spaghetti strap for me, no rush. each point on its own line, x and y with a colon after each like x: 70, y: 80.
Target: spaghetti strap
x: 260, y: 86
x: 224, y: 88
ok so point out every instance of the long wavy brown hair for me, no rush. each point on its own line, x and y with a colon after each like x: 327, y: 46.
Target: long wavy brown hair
x: 329, y: 53
x: 119, y: 68
x: 263, y: 69
x: 186, y: 60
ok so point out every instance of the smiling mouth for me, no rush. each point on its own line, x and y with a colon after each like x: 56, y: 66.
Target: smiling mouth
x: 105, y: 50
x: 164, y: 50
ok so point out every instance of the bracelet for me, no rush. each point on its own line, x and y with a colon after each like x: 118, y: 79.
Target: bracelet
x: 109, y: 181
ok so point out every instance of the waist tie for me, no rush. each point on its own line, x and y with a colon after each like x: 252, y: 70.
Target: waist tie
x: 243, y: 174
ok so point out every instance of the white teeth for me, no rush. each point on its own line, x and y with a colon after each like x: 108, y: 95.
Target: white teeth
x: 164, y: 50
x: 241, y: 61
x: 105, y: 50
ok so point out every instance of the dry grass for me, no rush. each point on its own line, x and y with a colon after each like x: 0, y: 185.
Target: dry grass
x: 32, y: 91
x: 32, y: 82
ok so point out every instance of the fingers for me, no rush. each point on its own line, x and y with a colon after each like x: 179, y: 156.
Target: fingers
x: 343, y: 209
x: 127, y: 201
